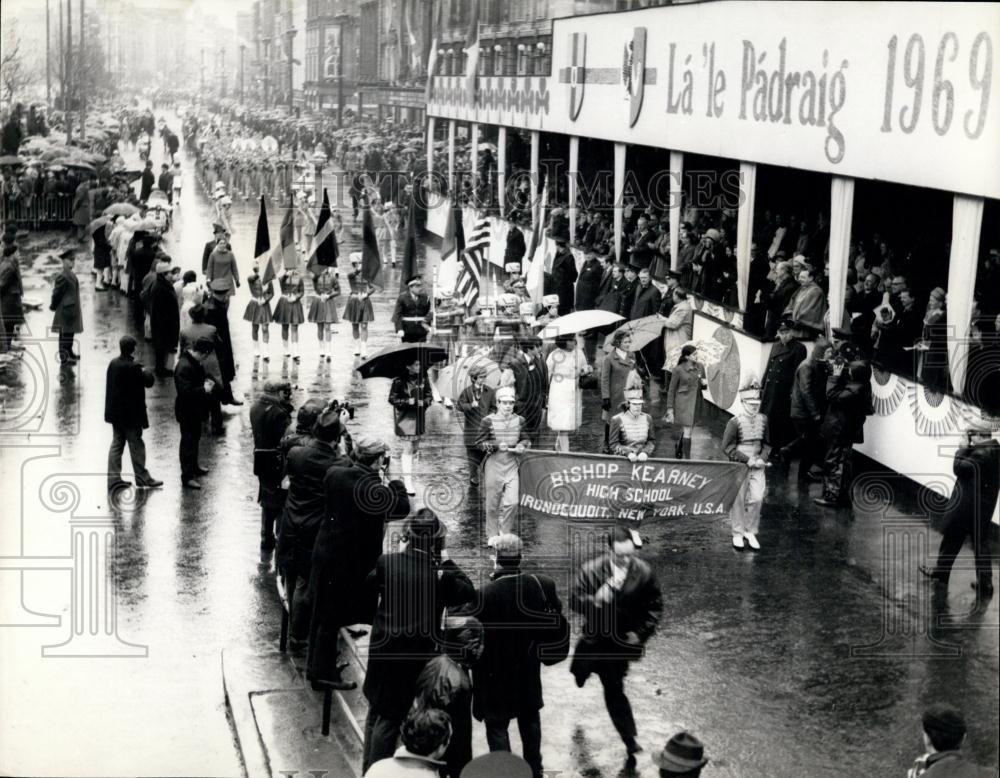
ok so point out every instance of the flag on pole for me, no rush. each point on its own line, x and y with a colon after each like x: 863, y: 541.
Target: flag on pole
x: 371, y: 262
x: 472, y: 53
x: 262, y: 243
x: 410, y: 247
x: 452, y: 245
x: 535, y: 278
x: 283, y: 256
x: 433, y: 55
x: 324, y: 250
x: 474, y: 262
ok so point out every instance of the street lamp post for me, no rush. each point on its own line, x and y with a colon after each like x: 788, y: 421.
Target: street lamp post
x: 243, y: 52
x: 291, y: 69
x: 222, y: 73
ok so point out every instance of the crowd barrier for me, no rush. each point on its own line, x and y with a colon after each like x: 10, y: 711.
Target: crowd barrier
x: 51, y: 211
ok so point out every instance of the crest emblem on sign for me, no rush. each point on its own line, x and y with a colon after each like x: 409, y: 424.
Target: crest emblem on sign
x: 577, y: 72
x: 634, y: 72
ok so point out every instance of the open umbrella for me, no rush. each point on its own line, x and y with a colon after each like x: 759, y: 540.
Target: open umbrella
x: 99, y: 222
x: 391, y: 362
x: 158, y: 199
x: 53, y: 153
x: 269, y: 144
x: 120, y: 209
x: 11, y: 161
x: 707, y: 352
x: 579, y: 321
x: 76, y: 165
x: 643, y: 331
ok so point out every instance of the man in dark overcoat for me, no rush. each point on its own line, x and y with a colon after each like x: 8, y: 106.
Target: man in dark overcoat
x: 270, y: 415
x: 588, y: 285
x: 564, y: 275
x: 514, y: 609
x: 475, y: 402
x: 414, y: 586
x: 647, y: 303
x: 125, y: 411
x: 360, y: 500
x: 164, y: 317
x: 147, y: 182
x: 67, y: 319
x: 776, y: 387
x: 970, y: 511
x: 217, y: 314
x: 191, y: 407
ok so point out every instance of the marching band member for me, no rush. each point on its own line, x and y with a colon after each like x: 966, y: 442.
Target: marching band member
x: 323, y: 308
x: 358, y: 310
x: 502, y: 436
x: 288, y: 311
x: 632, y: 434
x: 258, y: 311
x: 745, y: 440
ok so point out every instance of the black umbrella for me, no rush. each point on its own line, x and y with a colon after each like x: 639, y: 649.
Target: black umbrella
x: 392, y: 362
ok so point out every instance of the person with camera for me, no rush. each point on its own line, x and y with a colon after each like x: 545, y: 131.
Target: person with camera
x: 270, y: 415
x: 306, y: 467
x: 360, y: 498
x: 413, y: 585
x: 619, y: 598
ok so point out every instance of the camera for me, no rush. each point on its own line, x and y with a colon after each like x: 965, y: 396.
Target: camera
x: 337, y: 405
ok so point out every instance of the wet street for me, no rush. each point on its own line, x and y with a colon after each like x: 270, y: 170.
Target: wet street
x: 813, y: 657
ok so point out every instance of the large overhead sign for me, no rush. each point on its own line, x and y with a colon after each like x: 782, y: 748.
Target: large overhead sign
x: 903, y: 92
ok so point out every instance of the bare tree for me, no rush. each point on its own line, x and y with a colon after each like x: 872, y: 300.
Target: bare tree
x: 13, y: 75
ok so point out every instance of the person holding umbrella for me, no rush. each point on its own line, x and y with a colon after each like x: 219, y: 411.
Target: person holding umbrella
x: 358, y: 310
x: 618, y: 374
x: 410, y: 395
x: 565, y: 365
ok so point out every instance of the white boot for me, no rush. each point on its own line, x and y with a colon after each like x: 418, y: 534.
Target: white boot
x: 285, y: 348
x: 737, y: 541
x: 406, y: 466
x: 357, y: 347
x: 752, y: 541
x: 295, y: 350
x: 265, y: 349
x: 256, y: 349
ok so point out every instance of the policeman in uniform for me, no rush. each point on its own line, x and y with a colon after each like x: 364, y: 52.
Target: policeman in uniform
x: 410, y: 317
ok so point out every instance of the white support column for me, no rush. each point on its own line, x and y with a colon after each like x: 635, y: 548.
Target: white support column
x: 619, y: 193
x: 474, y: 152
x: 535, y: 145
x: 430, y: 143
x: 451, y: 156
x: 744, y: 230
x: 966, y: 226
x: 676, y: 181
x: 502, y: 169
x: 841, y: 215
x: 574, y: 167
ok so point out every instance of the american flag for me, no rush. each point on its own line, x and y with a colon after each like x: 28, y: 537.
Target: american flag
x: 473, y: 263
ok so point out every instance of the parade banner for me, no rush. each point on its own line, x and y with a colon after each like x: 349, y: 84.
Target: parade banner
x: 611, y: 488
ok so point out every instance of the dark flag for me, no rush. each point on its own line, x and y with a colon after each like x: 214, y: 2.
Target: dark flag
x: 262, y: 244
x: 371, y: 262
x: 409, y: 247
x: 324, y: 248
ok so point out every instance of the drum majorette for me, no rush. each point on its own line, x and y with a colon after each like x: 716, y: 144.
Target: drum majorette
x: 745, y: 440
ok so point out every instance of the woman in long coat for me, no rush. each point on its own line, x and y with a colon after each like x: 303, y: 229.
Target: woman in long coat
x: 221, y: 271
x: 258, y: 310
x: 565, y: 366
x: 11, y: 293
x: 323, y: 308
x: 617, y: 374
x: 683, y: 399
x: 410, y: 395
x: 102, y: 257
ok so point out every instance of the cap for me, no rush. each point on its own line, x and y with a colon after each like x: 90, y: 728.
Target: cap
x: 509, y: 300
x: 414, y: 280
x: 787, y: 323
x: 163, y: 267
x: 328, y: 426
x: 682, y: 753
x: 273, y: 387
x: 526, y: 309
x: 67, y: 254
x: 713, y: 234
x: 367, y: 445
x: 750, y: 389
x: 216, y: 227
x: 550, y: 299
x: 512, y: 267
x: 355, y: 257
x: 633, y: 395
x: 506, y: 393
